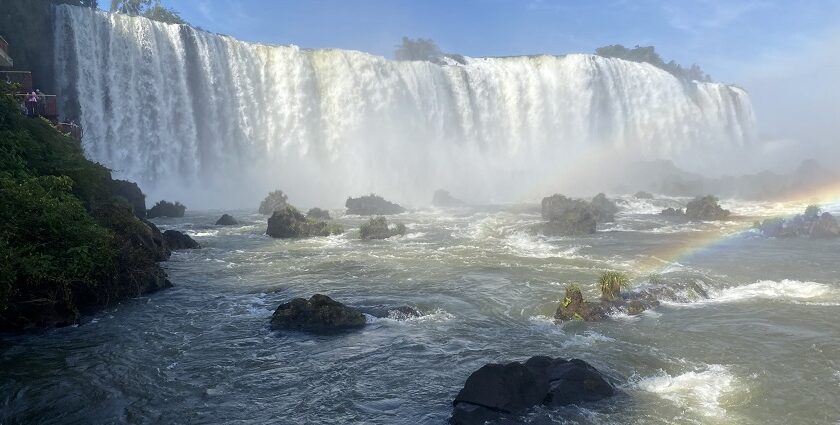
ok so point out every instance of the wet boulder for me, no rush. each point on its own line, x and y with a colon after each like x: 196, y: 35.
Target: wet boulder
x: 176, y: 240
x: 706, y: 208
x: 444, y: 199
x: 372, y: 205
x: 672, y: 212
x: 318, y: 214
x: 642, y: 195
x: 288, y: 222
x: 319, y: 313
x: 603, y: 208
x: 497, y: 390
x: 566, y: 217
x: 811, y: 224
x: 378, y: 228
x: 574, y: 307
x: 166, y: 209
x: 131, y: 193
x: 226, y: 220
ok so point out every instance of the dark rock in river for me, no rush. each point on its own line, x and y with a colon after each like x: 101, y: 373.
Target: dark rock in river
x: 604, y: 208
x: 131, y: 193
x: 176, y: 240
x: 566, y: 217
x: 705, y: 208
x: 288, y: 222
x: 377, y: 228
x: 672, y: 212
x: 318, y: 214
x: 166, y: 209
x: 372, y: 205
x: 318, y: 314
x: 812, y: 224
x: 574, y: 307
x: 444, y: 199
x: 495, y: 390
x: 642, y: 195
x: 226, y: 220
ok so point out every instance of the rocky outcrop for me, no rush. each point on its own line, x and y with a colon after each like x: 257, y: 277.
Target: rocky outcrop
x: 274, y: 201
x: 318, y: 214
x: 705, y: 208
x: 444, y: 199
x: 672, y: 212
x: 372, y: 205
x: 288, y: 222
x: 131, y: 194
x: 566, y: 217
x: 166, y: 209
x: 604, y: 209
x: 642, y: 195
x: 813, y: 223
x: 575, y: 307
x: 176, y: 240
x: 497, y: 390
x: 226, y: 220
x: 319, y: 313
x: 377, y: 228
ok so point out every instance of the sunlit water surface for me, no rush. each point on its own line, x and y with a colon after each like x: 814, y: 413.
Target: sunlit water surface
x: 749, y: 335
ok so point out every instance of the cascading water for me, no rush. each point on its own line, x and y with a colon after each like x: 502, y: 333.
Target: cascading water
x: 162, y: 103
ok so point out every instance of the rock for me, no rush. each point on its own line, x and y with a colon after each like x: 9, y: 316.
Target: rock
x: 604, y: 208
x: 444, y: 199
x: 812, y: 224
x: 705, y: 208
x: 642, y: 195
x: 566, y: 217
x: 288, y: 222
x: 176, y: 240
x: 166, y: 209
x: 377, y: 228
x: 274, y: 201
x: 318, y: 214
x: 131, y: 193
x: 574, y: 307
x: 672, y: 212
x: 226, y: 220
x: 318, y: 314
x: 372, y: 205
x: 496, y: 390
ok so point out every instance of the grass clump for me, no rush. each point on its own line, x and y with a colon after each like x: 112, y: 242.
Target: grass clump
x: 611, y: 284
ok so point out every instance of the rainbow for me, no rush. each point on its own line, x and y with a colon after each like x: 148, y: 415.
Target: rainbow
x: 704, y: 241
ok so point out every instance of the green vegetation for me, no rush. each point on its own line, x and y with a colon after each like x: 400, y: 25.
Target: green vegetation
x: 647, y: 54
x: 153, y: 10
x: 276, y: 200
x: 55, y: 256
x: 166, y: 209
x: 611, y: 284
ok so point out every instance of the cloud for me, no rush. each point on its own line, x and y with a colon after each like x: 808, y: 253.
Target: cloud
x: 706, y: 15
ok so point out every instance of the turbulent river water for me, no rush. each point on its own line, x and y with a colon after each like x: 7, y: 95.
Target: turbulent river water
x: 749, y: 334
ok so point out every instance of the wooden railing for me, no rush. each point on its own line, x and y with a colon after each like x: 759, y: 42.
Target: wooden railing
x: 47, y: 104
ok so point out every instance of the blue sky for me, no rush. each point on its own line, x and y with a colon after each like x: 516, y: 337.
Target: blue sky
x: 717, y: 34
x: 785, y: 53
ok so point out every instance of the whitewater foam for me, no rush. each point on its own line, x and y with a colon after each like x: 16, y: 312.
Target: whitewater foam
x: 786, y: 290
x: 698, y: 391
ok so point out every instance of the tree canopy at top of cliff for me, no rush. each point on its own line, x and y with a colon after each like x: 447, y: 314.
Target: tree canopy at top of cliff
x: 647, y: 54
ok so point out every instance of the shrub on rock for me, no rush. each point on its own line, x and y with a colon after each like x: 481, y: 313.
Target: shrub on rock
x: 318, y: 314
x: 377, y: 228
x: 372, y: 205
x: 274, y: 201
x: 226, y: 220
x: 166, y: 209
x: 318, y: 214
x: 288, y: 222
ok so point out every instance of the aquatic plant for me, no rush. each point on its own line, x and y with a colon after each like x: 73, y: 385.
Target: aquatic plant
x: 611, y: 284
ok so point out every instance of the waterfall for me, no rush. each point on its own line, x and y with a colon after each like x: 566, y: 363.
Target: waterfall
x: 186, y: 113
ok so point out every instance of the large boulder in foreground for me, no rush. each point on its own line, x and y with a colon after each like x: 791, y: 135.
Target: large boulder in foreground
x: 226, y: 220
x: 319, y: 313
x: 288, y: 222
x: 496, y: 390
x: 705, y: 208
x: 442, y: 198
x: 377, y: 228
x: 372, y: 205
x: 176, y: 240
x: 166, y: 209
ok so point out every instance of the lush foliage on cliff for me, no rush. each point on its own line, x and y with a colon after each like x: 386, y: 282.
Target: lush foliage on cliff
x: 648, y: 54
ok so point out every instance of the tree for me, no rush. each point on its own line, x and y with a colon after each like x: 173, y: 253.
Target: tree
x: 647, y: 54
x: 421, y: 49
x: 150, y: 9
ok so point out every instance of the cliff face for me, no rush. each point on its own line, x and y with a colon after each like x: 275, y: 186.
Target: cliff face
x: 28, y: 27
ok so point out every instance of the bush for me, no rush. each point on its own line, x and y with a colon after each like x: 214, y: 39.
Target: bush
x: 166, y: 209
x: 276, y: 200
x: 611, y: 284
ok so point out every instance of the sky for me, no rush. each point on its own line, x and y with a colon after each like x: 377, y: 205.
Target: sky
x: 785, y: 53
